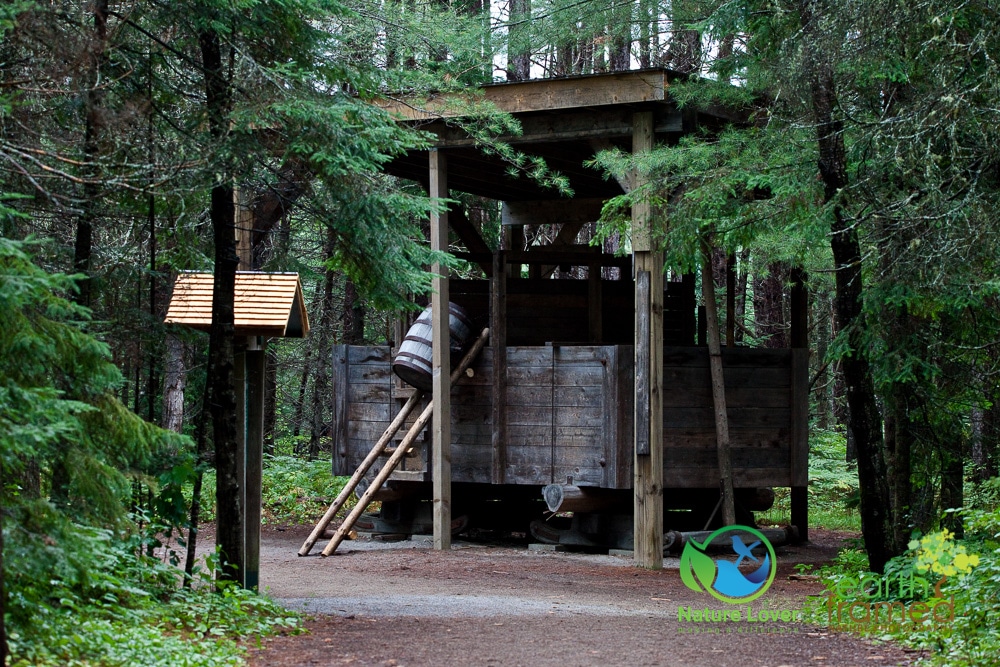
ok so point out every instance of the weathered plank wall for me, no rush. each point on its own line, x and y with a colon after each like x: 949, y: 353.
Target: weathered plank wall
x: 759, y: 405
x: 569, y: 414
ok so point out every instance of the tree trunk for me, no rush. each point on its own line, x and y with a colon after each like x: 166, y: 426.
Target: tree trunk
x: 518, y: 45
x: 769, y: 307
x: 321, y: 381
x: 353, y: 315
x: 94, y: 122
x: 865, y: 421
x: 952, y: 491
x: 174, y: 383
x: 984, y: 444
x: 741, y: 294
x: 899, y: 449
x: 220, y: 380
x: 3, y: 587
x: 270, y: 398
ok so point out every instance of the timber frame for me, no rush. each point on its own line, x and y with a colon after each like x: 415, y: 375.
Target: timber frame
x: 628, y: 347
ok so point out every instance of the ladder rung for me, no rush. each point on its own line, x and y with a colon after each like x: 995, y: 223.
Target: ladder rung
x: 389, y: 451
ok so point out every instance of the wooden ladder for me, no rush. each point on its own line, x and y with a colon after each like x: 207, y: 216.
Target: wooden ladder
x: 394, y: 460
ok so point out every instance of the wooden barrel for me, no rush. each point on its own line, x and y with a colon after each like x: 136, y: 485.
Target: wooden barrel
x: 413, y: 361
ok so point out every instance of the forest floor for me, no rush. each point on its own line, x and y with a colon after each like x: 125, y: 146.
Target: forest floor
x: 404, y: 604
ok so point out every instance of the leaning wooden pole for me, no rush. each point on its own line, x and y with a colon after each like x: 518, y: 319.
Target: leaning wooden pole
x: 362, y: 470
x: 718, y: 385
x: 400, y: 451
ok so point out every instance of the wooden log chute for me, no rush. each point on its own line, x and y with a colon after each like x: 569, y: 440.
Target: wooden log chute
x: 674, y: 540
x: 572, y: 498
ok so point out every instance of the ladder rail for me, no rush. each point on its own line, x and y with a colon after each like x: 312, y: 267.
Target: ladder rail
x: 362, y: 470
x: 400, y: 452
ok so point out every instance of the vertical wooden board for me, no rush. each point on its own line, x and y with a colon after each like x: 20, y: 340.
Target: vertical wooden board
x: 609, y: 413
x: 625, y: 418
x: 642, y: 363
x: 341, y: 454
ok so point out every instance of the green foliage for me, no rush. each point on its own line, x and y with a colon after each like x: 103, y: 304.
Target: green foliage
x: 86, y: 597
x: 294, y: 491
x: 79, y: 592
x: 833, y: 486
x: 297, y: 491
x: 969, y: 575
x: 57, y: 411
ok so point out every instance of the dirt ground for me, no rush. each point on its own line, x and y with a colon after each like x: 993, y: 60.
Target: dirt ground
x: 404, y: 604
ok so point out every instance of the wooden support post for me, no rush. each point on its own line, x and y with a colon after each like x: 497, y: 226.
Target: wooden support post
x: 799, y: 341
x: 498, y: 341
x: 243, y: 220
x: 648, y: 472
x: 255, y: 364
x: 240, y: 387
x: 731, y: 300
x: 441, y: 361
x: 595, y: 305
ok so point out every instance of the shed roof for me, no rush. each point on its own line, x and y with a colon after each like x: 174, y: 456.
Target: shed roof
x: 564, y: 120
x: 266, y: 304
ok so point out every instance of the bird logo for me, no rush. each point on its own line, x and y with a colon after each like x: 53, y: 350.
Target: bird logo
x: 721, y: 577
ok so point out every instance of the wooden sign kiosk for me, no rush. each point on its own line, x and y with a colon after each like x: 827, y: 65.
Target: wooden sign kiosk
x: 266, y: 305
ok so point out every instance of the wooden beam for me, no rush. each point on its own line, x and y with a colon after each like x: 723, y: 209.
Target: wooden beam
x: 469, y: 235
x: 642, y: 349
x: 441, y: 362
x: 255, y: 364
x: 540, y: 95
x: 551, y: 212
x: 498, y: 341
x: 570, y: 125
x: 648, y: 469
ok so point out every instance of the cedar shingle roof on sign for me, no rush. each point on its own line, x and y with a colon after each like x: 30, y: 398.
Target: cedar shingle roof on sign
x: 267, y: 304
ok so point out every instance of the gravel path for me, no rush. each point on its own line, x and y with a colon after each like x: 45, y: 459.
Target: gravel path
x: 402, y: 604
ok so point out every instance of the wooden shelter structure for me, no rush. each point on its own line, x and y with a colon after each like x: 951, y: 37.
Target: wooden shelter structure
x: 265, y: 305
x: 598, y: 385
